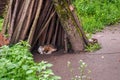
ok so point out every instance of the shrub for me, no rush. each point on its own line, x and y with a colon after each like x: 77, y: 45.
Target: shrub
x: 16, y: 63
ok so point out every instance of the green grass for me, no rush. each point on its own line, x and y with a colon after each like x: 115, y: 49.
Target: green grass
x: 95, y: 14
x: 1, y: 23
x: 92, y: 47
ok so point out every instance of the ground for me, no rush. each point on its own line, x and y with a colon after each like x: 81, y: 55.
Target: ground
x: 104, y: 63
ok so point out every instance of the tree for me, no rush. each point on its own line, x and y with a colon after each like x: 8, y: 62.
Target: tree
x: 70, y: 25
x: 3, y: 4
x: 44, y: 22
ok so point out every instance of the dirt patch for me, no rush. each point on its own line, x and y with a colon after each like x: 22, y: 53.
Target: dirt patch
x: 104, y: 63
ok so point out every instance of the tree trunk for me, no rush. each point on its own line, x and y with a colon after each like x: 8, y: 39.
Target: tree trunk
x: 40, y: 22
x: 74, y: 33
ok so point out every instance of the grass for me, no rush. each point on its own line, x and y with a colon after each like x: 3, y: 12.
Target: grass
x: 95, y: 14
x: 92, y: 47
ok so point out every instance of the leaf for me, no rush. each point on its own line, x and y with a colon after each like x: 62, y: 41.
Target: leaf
x: 29, y: 71
x: 31, y: 78
x: 48, y: 71
x: 16, y: 63
x: 11, y: 65
x: 25, y: 67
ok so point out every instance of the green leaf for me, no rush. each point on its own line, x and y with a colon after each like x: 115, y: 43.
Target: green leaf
x: 29, y: 71
x: 25, y: 67
x: 16, y: 63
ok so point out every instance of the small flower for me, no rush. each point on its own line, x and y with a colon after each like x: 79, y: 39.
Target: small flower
x: 68, y: 63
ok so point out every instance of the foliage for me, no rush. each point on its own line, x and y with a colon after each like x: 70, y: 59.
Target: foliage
x: 1, y: 23
x: 92, y: 47
x: 81, y: 69
x: 16, y: 63
x: 95, y: 14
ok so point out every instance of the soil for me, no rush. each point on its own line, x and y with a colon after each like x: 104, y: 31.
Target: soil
x: 103, y: 64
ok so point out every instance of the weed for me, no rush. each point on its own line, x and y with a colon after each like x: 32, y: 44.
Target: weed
x: 81, y: 68
x: 88, y: 35
x: 92, y: 47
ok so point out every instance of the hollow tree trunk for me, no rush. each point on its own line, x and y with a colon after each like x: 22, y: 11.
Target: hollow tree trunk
x: 69, y: 23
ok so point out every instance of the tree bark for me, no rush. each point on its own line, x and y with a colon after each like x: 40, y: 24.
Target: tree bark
x: 37, y: 22
x: 30, y: 38
x: 69, y: 24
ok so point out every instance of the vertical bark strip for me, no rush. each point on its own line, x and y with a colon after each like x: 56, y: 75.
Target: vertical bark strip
x: 43, y: 28
x: 13, y: 20
x: 69, y: 24
x: 26, y: 28
x: 42, y: 22
x: 35, y: 22
x: 19, y: 27
x: 7, y: 18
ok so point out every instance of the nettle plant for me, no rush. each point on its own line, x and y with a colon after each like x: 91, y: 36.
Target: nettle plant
x: 16, y: 63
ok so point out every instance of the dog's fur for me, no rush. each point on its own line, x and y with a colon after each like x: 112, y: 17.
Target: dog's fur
x: 46, y: 49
